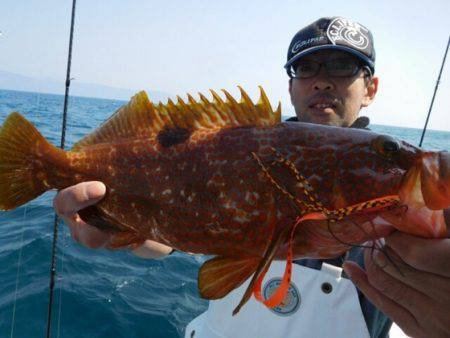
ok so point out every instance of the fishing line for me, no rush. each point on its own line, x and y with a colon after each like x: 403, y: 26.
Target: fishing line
x: 434, y: 94
x: 381, y: 248
x: 61, y: 285
x: 19, y: 261
x: 348, y: 243
x: 375, y: 243
x: 63, y: 136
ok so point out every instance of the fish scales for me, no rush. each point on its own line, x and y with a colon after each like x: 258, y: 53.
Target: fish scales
x: 194, y: 188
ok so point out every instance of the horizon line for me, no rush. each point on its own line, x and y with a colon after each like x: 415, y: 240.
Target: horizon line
x: 124, y: 100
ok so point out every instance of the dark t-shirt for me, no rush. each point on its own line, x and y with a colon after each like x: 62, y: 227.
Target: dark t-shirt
x: 377, y: 322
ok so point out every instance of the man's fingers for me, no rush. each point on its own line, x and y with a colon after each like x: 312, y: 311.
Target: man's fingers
x: 92, y: 237
x: 391, y: 287
x: 397, y: 313
x: 152, y: 249
x: 73, y: 230
x: 72, y: 199
x: 431, y: 255
x: 86, y: 234
x: 427, y: 283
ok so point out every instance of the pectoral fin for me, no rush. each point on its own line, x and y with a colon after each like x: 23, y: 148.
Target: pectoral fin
x: 220, y: 275
x: 280, y: 293
x: 122, y: 234
x: 263, y: 266
x: 99, y: 219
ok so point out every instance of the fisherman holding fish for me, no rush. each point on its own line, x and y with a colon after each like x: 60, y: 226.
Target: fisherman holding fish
x: 331, y: 66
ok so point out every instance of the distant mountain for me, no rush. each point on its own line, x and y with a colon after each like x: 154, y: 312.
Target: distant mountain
x: 13, y: 81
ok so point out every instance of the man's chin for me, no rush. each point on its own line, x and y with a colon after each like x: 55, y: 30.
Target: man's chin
x: 326, y: 120
x: 320, y: 117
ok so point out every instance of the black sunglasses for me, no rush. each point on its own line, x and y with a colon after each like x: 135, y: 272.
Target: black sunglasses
x: 335, y: 68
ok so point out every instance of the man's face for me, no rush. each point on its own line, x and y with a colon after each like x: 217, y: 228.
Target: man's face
x: 328, y: 100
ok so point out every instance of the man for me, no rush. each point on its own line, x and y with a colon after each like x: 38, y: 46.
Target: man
x: 331, y: 65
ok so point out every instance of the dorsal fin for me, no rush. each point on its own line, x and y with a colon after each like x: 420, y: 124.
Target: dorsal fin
x: 141, y: 118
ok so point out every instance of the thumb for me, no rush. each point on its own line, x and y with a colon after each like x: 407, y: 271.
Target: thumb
x: 72, y: 199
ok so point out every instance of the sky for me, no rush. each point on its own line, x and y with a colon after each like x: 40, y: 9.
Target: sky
x: 191, y: 46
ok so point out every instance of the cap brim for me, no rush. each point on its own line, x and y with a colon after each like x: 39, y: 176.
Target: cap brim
x: 349, y: 50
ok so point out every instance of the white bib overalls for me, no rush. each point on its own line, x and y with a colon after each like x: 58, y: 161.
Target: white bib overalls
x: 320, y: 304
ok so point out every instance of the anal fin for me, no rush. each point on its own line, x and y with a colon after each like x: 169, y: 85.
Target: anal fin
x: 263, y: 266
x: 255, y: 285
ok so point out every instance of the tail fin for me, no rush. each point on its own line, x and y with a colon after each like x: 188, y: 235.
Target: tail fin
x: 20, y: 180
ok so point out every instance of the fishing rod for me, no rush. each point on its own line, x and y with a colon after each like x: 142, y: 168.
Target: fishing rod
x: 434, y: 94
x: 63, y: 139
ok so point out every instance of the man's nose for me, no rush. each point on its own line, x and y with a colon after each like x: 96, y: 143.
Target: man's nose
x: 322, y: 84
x: 322, y: 81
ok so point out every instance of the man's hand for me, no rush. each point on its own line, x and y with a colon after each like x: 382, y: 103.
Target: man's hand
x: 414, y: 289
x: 69, y: 201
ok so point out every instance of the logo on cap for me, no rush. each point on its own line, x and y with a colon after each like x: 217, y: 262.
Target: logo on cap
x: 344, y: 31
x: 291, y: 301
x: 300, y: 44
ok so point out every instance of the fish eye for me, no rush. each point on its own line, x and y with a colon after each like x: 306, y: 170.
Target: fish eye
x: 391, y: 146
x: 386, y: 145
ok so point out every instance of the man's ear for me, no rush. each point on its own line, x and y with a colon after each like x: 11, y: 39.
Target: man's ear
x: 371, y: 91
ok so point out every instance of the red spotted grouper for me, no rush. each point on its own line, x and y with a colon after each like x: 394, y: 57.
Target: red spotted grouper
x: 229, y: 179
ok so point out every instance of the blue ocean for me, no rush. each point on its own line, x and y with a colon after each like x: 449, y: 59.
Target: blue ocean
x: 97, y: 293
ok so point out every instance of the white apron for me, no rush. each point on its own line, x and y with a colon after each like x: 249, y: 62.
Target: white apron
x: 320, y: 304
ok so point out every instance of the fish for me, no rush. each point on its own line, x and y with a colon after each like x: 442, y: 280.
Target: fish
x: 228, y: 178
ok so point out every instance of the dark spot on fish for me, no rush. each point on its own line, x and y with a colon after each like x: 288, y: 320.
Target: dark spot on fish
x: 172, y: 136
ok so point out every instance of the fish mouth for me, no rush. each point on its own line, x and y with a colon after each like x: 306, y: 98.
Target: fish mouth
x: 425, y: 191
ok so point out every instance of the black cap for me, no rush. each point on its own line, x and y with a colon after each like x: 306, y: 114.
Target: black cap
x: 333, y: 33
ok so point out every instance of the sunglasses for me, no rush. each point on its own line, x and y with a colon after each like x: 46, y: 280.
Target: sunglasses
x: 334, y: 68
